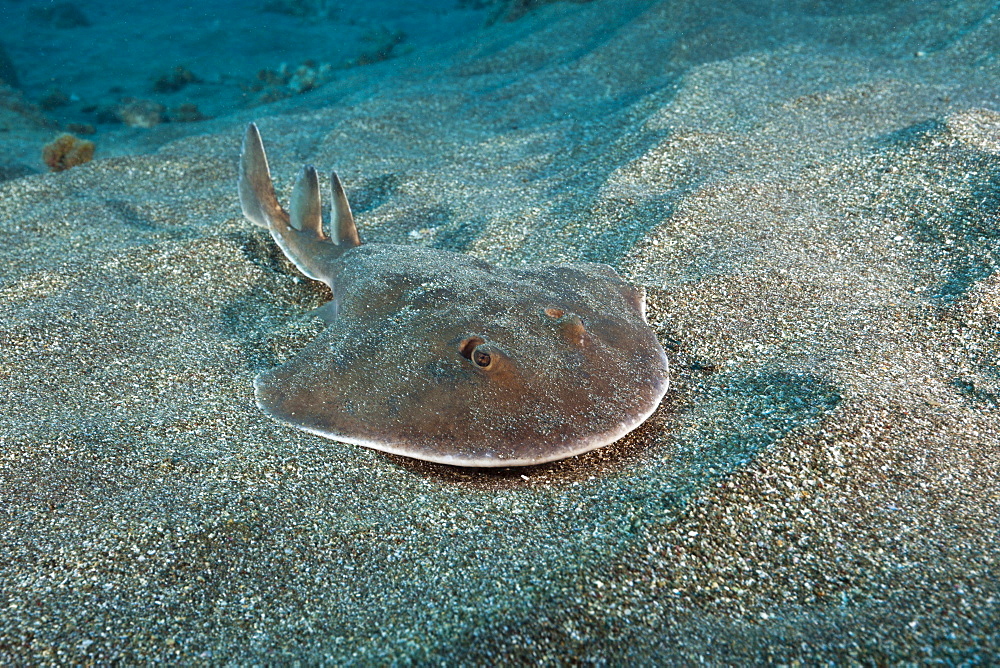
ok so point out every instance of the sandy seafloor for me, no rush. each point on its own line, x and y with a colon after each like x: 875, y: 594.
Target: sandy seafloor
x: 809, y: 192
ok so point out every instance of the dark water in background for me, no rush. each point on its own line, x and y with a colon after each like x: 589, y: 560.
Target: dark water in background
x: 95, y: 66
x: 103, y: 66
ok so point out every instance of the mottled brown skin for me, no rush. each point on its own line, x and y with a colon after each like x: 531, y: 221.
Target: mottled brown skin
x: 444, y: 357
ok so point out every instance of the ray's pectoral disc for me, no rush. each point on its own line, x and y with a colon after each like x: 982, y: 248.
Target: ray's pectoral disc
x: 444, y: 357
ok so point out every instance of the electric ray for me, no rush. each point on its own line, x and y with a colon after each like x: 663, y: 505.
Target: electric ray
x: 448, y: 358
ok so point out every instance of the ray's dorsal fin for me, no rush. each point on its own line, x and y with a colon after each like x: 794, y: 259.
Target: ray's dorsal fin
x: 345, y: 233
x: 305, y: 208
x: 299, y: 235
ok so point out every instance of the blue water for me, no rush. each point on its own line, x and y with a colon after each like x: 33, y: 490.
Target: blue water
x: 79, y: 61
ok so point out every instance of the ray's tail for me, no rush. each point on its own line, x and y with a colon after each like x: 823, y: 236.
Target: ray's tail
x: 299, y: 231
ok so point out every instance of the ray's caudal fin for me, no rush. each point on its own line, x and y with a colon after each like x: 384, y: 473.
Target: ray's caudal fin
x: 298, y: 233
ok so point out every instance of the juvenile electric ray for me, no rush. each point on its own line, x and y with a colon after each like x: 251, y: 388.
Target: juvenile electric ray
x: 445, y: 357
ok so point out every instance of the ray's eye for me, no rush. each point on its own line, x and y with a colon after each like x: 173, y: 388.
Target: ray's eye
x: 473, y: 350
x: 468, y: 346
x: 554, y: 313
x: 481, y: 358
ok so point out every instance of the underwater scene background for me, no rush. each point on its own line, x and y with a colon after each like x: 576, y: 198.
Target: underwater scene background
x: 808, y: 191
